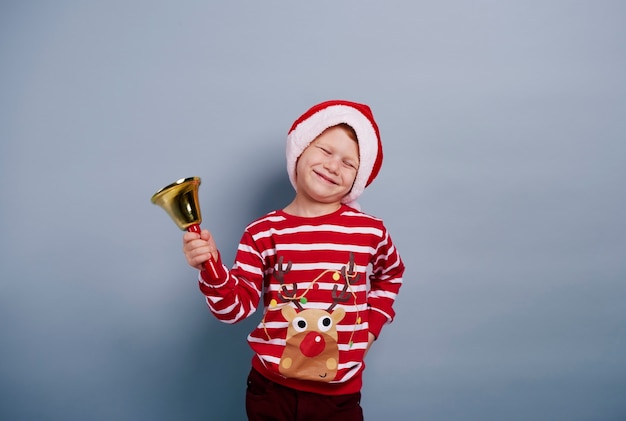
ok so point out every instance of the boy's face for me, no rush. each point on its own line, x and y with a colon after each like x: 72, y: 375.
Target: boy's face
x: 326, y: 170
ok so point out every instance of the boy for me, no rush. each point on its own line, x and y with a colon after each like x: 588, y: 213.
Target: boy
x: 309, y: 262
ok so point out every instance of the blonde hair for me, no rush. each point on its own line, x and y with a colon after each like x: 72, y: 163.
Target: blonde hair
x: 349, y: 131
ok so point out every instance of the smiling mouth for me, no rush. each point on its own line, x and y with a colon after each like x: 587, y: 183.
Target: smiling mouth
x: 323, y: 376
x: 327, y: 179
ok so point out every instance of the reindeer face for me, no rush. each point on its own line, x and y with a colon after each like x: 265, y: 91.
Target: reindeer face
x: 311, y: 351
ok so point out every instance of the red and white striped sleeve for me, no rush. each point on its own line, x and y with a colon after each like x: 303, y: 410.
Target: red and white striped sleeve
x: 385, y: 283
x: 237, y: 294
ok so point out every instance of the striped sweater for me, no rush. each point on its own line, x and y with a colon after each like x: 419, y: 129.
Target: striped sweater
x: 325, y: 281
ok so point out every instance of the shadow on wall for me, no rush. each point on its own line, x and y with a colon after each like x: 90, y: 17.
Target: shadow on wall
x: 218, y: 360
x: 276, y: 193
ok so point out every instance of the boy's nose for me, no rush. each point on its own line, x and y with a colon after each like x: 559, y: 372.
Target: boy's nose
x: 331, y: 164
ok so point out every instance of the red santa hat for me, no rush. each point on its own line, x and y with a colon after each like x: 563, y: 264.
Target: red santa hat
x: 331, y: 113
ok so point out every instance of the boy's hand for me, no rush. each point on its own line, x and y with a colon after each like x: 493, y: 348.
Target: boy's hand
x: 370, y: 340
x: 198, y: 248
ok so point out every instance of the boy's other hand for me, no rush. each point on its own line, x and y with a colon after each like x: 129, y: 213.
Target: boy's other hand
x: 370, y: 340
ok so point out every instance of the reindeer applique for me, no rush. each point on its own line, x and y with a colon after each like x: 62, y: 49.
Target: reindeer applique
x: 311, y: 350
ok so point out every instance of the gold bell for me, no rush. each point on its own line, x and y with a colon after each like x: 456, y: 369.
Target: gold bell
x: 180, y: 201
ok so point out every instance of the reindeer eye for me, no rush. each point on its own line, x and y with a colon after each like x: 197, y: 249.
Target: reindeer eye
x: 324, y: 323
x: 299, y: 324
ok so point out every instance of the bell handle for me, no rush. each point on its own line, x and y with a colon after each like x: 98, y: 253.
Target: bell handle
x: 209, y: 265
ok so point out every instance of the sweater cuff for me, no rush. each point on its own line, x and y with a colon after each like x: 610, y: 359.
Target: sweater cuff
x: 376, y: 321
x: 207, y: 278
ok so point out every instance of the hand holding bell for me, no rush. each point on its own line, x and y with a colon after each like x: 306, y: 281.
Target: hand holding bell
x: 180, y: 201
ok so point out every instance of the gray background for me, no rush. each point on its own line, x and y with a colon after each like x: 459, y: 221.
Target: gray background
x: 503, y: 186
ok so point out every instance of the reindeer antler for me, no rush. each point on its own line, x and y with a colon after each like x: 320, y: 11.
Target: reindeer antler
x: 351, y: 277
x: 279, y: 274
x: 348, y: 272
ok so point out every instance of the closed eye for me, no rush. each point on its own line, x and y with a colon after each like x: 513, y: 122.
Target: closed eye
x: 351, y: 164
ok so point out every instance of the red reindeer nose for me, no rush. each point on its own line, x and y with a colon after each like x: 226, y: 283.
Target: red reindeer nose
x: 313, y: 344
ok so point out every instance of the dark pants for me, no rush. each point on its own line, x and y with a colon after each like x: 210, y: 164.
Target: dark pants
x: 269, y: 401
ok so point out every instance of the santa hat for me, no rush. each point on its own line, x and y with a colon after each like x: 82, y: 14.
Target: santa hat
x: 331, y: 113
